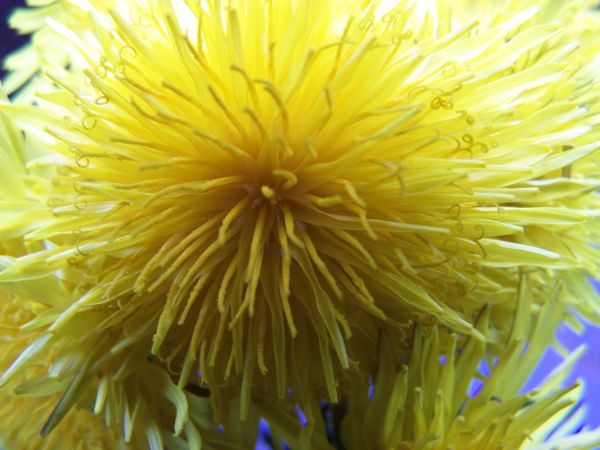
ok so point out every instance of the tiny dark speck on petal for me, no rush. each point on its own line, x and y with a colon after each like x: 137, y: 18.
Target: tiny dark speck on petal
x: 195, y: 389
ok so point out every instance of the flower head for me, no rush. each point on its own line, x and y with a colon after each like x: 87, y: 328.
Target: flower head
x: 256, y: 190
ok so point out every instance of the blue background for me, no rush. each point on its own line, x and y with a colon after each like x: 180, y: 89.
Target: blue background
x: 588, y: 367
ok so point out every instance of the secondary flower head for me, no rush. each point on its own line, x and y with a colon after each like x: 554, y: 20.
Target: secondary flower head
x: 79, y: 429
x: 20, y: 427
x: 261, y: 187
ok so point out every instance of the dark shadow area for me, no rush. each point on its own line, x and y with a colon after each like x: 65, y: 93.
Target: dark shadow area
x: 9, y: 40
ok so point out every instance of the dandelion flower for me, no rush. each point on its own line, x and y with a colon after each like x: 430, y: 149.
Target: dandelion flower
x: 262, y: 187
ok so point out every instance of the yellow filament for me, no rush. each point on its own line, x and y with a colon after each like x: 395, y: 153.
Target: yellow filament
x: 284, y: 280
x: 231, y: 270
x: 356, y: 244
x: 314, y: 256
x: 256, y: 242
x: 231, y: 215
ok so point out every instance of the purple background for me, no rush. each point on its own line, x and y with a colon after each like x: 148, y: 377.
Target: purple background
x: 588, y: 367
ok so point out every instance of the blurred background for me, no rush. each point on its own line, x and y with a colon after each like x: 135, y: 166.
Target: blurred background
x: 8, y: 39
x: 587, y: 368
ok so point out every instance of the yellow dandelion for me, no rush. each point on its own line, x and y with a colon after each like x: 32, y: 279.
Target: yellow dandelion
x: 431, y: 402
x: 261, y: 187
